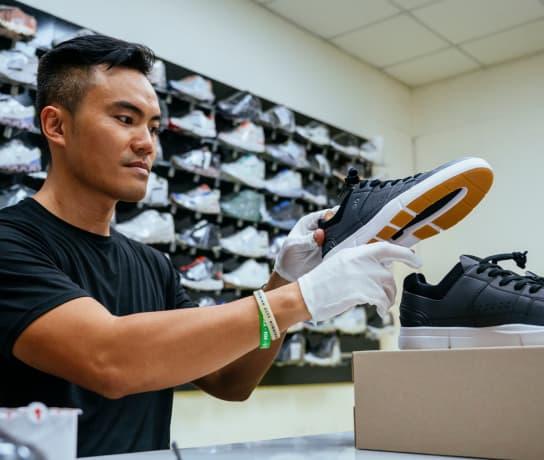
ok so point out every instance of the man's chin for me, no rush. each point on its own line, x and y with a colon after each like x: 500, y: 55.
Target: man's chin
x: 131, y: 195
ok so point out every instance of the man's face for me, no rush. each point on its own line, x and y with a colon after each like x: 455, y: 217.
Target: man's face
x: 110, y: 141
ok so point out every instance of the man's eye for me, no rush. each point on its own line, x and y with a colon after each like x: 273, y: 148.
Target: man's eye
x: 154, y: 130
x: 125, y: 119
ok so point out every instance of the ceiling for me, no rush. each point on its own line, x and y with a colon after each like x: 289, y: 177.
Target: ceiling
x: 421, y: 41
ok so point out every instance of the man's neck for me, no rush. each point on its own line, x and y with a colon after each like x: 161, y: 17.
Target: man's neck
x: 74, y: 203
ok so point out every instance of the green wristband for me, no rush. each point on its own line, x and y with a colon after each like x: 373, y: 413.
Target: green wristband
x: 264, y: 333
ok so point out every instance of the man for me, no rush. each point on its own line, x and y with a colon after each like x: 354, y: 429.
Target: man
x: 91, y: 319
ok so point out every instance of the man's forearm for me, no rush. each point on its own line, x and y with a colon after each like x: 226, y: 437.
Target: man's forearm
x: 163, y: 349
x: 238, y: 379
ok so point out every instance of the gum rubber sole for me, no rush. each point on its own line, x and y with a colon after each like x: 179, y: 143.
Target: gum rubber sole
x: 410, y: 217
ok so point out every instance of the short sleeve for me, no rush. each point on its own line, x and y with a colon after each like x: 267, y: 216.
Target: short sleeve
x: 30, y: 285
x: 181, y: 297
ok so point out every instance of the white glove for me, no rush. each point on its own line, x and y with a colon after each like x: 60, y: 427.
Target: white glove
x: 300, y: 253
x: 354, y: 276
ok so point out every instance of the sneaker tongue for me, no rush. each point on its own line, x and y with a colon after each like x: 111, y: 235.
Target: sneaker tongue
x: 468, y: 261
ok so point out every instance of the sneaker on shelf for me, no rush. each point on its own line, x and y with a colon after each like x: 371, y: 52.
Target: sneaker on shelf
x: 352, y: 321
x: 157, y: 191
x: 246, y: 136
x: 248, y: 242
x: 39, y: 175
x: 240, y: 106
x: 377, y: 326
x: 347, y: 144
x: 275, y: 247
x: 406, y: 211
x: 248, y: 170
x: 198, y: 161
x: 292, y: 351
x: 16, y: 157
x: 201, y: 199
x: 202, y: 235
x: 286, y: 183
x: 279, y: 117
x: 196, y: 123
x: 194, y: 86
x: 16, y: 24
x: 15, y: 114
x: 206, y: 301
x: 372, y: 150
x: 249, y: 275
x: 325, y: 353
x: 342, y: 172
x: 79, y: 33
x: 284, y: 215
x: 159, y: 157
x: 18, y: 67
x: 320, y: 164
x: 322, y: 327
x: 315, y: 132
x: 315, y: 193
x: 202, y: 275
x: 289, y: 153
x: 12, y: 195
x: 477, y: 304
x: 157, y: 76
x: 297, y: 327
x: 246, y: 205
x: 149, y: 227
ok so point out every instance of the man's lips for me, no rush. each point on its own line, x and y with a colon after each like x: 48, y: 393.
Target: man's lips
x: 140, y: 164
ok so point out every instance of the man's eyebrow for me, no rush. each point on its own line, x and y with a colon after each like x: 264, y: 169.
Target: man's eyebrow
x: 133, y: 108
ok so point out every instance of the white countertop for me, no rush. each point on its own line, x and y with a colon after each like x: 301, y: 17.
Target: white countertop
x: 334, y: 446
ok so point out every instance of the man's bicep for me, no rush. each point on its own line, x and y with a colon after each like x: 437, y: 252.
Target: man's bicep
x: 66, y: 342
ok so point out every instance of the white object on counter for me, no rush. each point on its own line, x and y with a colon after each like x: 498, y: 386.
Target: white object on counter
x: 51, y: 430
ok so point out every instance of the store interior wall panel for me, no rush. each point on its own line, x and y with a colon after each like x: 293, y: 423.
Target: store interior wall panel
x: 496, y: 114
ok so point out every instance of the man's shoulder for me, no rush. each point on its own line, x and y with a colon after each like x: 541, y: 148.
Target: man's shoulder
x: 18, y: 219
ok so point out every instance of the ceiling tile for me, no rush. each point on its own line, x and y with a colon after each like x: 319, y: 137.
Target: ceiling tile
x: 426, y: 69
x: 513, y: 43
x: 462, y: 20
x: 411, y: 4
x: 329, y: 18
x: 390, y: 41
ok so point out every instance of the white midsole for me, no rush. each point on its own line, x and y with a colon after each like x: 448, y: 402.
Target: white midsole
x: 204, y: 285
x: 469, y: 337
x: 400, y: 203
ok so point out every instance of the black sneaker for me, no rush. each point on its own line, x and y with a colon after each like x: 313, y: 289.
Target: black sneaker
x: 477, y: 304
x: 326, y: 352
x: 241, y: 106
x: 202, y: 235
x: 284, y: 215
x: 292, y: 350
x: 405, y: 211
x: 377, y: 326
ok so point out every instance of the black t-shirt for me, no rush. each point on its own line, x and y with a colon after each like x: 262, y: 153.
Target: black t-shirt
x: 45, y: 262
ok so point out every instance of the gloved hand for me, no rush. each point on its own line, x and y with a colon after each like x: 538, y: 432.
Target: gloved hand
x: 301, y: 250
x: 354, y: 276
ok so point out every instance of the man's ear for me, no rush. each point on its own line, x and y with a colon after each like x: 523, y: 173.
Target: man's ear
x: 53, y: 122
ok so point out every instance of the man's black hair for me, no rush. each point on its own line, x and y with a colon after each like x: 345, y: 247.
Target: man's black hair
x: 65, y: 71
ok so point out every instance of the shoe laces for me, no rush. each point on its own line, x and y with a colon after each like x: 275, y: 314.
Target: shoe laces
x: 374, y: 183
x: 490, y: 263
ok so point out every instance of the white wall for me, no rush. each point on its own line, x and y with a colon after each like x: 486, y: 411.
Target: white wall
x: 496, y: 114
x: 246, y: 46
